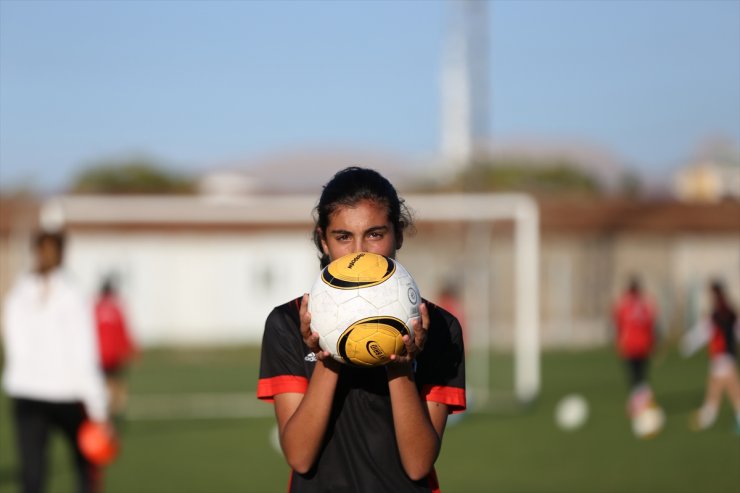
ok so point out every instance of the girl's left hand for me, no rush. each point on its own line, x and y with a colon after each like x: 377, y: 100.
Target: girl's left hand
x: 414, y: 346
x: 310, y: 338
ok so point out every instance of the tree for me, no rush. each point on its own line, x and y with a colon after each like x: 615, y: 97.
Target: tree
x: 132, y: 176
x: 522, y: 175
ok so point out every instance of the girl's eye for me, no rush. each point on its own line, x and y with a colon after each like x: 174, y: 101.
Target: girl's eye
x: 342, y: 237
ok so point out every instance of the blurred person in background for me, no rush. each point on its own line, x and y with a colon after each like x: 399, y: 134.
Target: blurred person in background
x: 343, y: 428
x: 634, y: 319
x: 450, y: 299
x: 117, y: 348
x: 52, y: 372
x: 719, y: 329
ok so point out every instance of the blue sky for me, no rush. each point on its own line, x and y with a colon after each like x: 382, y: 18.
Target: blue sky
x: 199, y: 83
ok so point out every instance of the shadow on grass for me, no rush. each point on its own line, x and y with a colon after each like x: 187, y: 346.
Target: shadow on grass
x: 679, y: 401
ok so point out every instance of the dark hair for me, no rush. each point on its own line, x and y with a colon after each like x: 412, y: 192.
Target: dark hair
x: 717, y: 289
x: 57, y: 238
x: 633, y: 285
x: 348, y: 187
x: 108, y: 286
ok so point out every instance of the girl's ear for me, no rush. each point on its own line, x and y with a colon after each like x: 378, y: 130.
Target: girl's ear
x: 324, y: 246
x: 399, y: 241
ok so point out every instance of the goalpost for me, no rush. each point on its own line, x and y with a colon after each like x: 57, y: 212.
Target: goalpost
x: 470, y: 224
x: 479, y: 213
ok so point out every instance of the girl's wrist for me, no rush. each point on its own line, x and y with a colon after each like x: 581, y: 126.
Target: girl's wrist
x: 395, y: 370
x: 331, y: 364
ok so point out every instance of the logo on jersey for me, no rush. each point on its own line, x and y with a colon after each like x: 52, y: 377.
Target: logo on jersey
x: 311, y: 358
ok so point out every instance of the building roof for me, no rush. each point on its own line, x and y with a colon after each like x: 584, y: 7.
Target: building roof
x: 18, y: 213
x: 598, y: 215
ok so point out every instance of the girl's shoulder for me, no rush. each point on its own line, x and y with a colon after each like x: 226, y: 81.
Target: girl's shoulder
x: 444, y: 327
x: 439, y: 316
x: 285, y: 316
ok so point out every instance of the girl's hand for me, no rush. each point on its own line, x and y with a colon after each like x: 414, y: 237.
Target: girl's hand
x: 310, y: 338
x: 414, y: 346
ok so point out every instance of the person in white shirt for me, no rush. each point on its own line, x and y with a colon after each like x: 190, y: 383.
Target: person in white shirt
x: 52, y: 372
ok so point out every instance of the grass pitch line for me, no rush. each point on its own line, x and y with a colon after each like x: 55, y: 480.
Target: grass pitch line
x: 196, y: 406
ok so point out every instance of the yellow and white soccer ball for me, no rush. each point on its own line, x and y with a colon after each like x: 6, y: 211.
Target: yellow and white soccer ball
x: 361, y: 306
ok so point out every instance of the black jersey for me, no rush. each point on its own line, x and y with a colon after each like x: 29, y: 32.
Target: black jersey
x: 360, y: 453
x: 723, y: 340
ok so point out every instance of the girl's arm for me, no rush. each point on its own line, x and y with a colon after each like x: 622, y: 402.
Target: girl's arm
x: 697, y: 337
x: 303, y: 418
x: 419, y: 426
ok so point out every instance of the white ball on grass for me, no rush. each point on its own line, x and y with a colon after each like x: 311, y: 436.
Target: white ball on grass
x: 571, y: 412
x: 648, y: 422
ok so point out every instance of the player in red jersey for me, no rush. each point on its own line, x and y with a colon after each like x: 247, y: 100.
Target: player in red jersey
x: 450, y: 299
x: 723, y: 375
x: 634, y: 319
x: 348, y: 429
x: 117, y: 348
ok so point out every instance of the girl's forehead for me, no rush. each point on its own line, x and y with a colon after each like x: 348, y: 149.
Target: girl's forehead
x: 362, y: 206
x: 364, y: 209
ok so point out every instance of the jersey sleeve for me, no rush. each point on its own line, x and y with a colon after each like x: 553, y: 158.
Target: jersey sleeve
x: 440, y: 372
x: 282, y: 368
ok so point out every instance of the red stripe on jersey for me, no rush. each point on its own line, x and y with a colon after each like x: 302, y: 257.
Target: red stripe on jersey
x: 268, y: 388
x: 717, y: 342
x: 453, y: 397
x: 433, y: 482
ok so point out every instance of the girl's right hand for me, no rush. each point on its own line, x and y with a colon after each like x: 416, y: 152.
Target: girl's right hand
x: 310, y: 338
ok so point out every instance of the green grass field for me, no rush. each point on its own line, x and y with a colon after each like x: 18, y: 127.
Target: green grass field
x: 507, y: 451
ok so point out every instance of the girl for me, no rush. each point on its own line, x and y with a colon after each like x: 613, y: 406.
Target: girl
x: 361, y: 429
x: 723, y: 376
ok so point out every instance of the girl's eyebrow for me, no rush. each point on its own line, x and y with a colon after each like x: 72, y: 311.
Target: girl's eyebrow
x: 369, y: 230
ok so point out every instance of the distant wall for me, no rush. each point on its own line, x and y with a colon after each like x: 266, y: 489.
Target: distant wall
x: 195, y: 288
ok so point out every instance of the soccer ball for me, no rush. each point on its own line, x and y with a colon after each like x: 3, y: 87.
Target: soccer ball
x: 648, y: 422
x: 97, y: 443
x: 361, y: 306
x: 571, y: 412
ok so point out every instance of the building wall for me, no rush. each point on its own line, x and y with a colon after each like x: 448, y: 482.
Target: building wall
x: 695, y: 261
x: 196, y: 288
